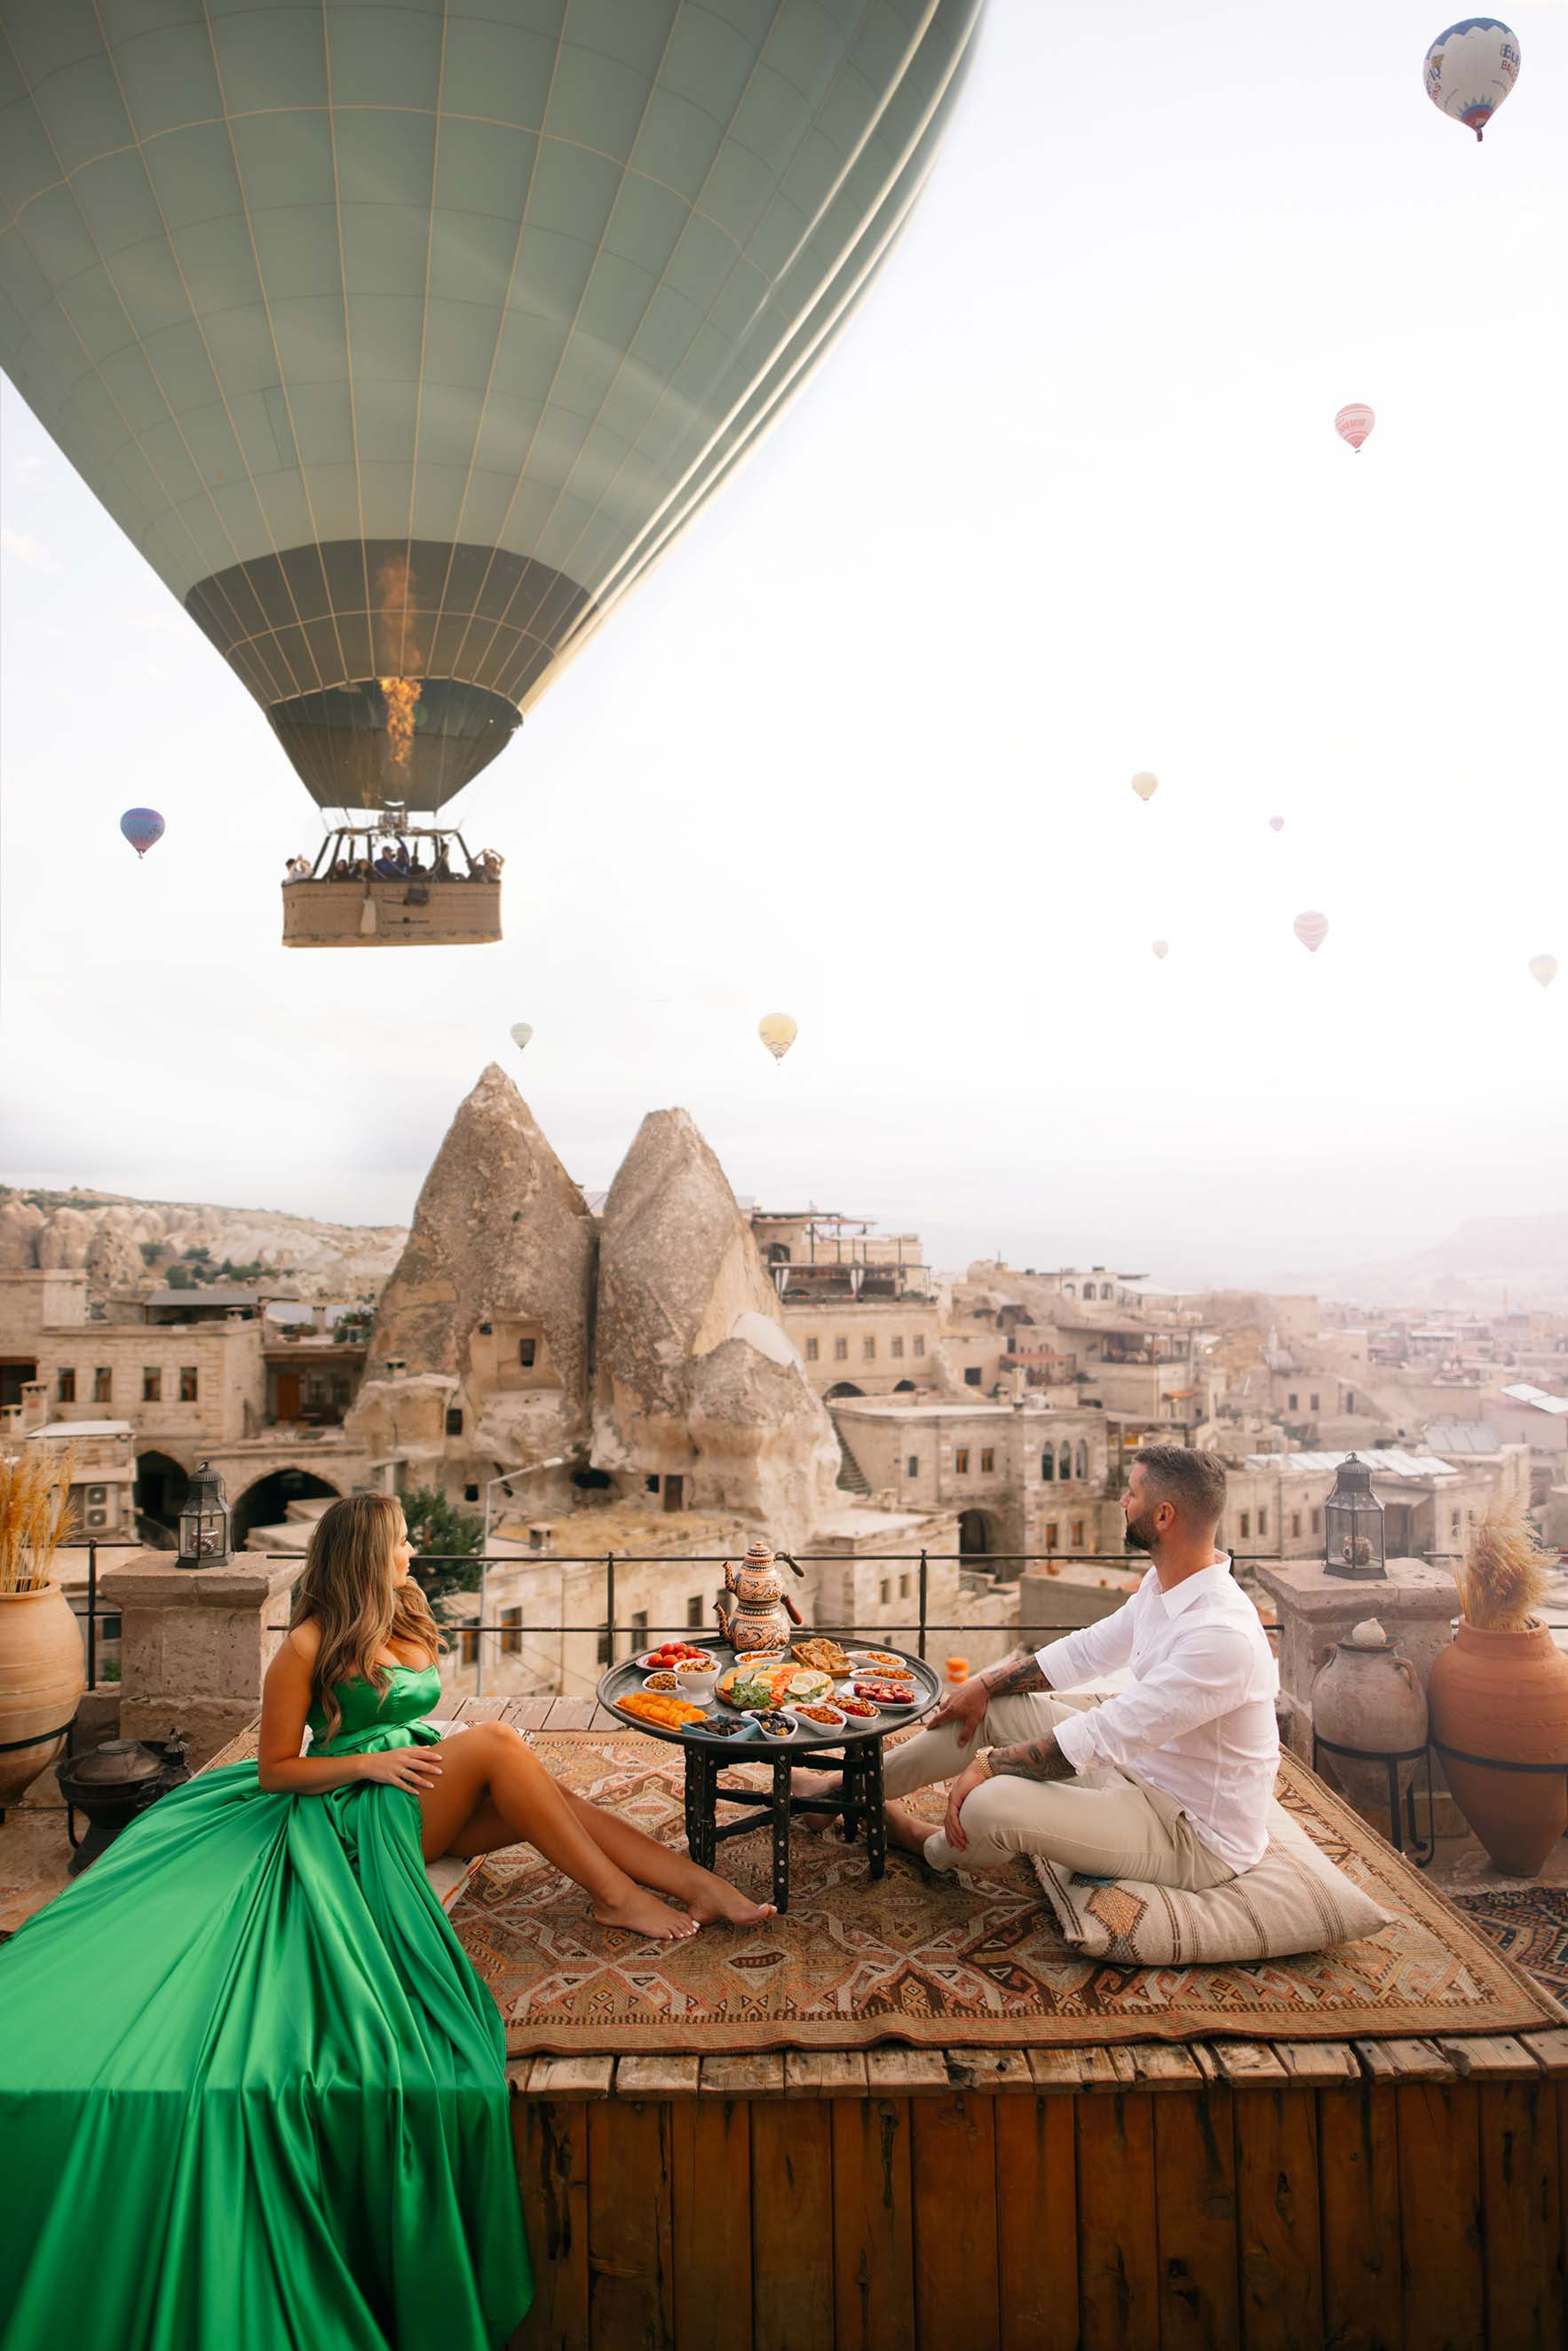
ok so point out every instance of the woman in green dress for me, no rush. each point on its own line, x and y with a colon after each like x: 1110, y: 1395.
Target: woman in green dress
x: 252, y: 2091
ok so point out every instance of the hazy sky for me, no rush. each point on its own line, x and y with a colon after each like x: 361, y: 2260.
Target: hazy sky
x: 1064, y: 502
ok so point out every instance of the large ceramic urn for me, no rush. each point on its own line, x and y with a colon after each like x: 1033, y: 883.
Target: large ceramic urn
x: 43, y: 1675
x: 1498, y: 1699
x: 1368, y: 1696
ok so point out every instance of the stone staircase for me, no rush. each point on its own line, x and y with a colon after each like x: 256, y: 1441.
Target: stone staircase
x: 851, y: 1479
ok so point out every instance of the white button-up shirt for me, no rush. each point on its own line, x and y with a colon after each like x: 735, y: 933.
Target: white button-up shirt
x: 1199, y: 1724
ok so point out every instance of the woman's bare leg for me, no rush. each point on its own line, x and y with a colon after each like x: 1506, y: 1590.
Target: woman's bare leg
x: 707, y: 1898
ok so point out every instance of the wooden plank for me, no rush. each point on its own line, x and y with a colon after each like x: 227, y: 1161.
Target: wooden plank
x: 758, y: 2076
x: 660, y: 2076
x: 1404, y: 2061
x: 1318, y: 2064
x: 958, y: 2290
x: 1488, y: 2057
x: 1246, y: 2063
x: 1156, y: 2066
x: 824, y: 2073
x: 989, y: 2069
x: 710, y: 2186
x: 1279, y: 2221
x: 479, y: 1709
x: 791, y: 2224
x: 1036, y: 2223
x: 1358, y: 2172
x: 1056, y: 2069
x: 873, y: 2238
x: 528, y: 1713
x: 1440, y: 2215
x: 603, y: 1718
x: 631, y: 2254
x: 1194, y: 2162
x: 1118, y: 2282
x: 903, y: 2073
x: 551, y: 2144
x: 569, y: 1714
x: 1521, y: 2212
x: 1549, y: 2049
x: 572, y: 2077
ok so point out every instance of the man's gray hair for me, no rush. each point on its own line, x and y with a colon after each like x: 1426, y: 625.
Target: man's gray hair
x: 1193, y: 1482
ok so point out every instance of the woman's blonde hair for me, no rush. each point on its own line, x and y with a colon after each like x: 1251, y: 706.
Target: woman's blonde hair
x: 348, y: 1588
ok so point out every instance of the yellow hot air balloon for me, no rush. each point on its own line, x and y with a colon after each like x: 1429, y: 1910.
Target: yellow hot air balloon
x: 778, y: 1032
x: 1145, y: 785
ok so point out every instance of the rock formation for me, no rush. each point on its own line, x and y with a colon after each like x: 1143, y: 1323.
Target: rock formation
x: 696, y: 1376
x: 126, y: 1244
x: 488, y: 1307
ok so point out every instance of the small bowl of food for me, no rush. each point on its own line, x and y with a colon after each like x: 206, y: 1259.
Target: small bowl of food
x: 820, y: 1717
x: 698, y: 1677
x: 885, y: 1694
x: 668, y: 1657
x: 857, y: 1709
x: 724, y: 1725
x: 881, y: 1661
x: 777, y: 1724
x: 663, y: 1679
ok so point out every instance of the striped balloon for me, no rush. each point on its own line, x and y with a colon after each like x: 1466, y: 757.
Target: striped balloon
x: 1354, y: 423
x: 1312, y: 929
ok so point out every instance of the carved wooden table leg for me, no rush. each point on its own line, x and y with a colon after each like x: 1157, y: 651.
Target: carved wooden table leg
x: 875, y: 1818
x: 782, y: 1833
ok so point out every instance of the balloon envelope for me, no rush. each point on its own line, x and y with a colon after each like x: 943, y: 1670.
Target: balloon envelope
x: 778, y: 1032
x: 1544, y: 968
x: 424, y: 332
x: 1354, y: 422
x: 1312, y: 929
x: 1145, y: 785
x: 521, y: 1032
x: 1276, y: 825
x: 1162, y: 948
x: 143, y: 828
x: 1470, y: 71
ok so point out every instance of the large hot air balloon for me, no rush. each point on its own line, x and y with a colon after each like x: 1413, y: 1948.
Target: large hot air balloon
x: 1145, y: 785
x: 1161, y: 948
x: 521, y: 1035
x: 1470, y: 71
x: 143, y: 828
x: 1354, y: 423
x: 1276, y: 825
x: 1544, y: 968
x: 1312, y: 929
x: 402, y: 342
x: 778, y: 1032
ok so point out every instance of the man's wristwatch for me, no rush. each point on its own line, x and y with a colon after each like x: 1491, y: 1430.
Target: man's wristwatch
x: 983, y: 1758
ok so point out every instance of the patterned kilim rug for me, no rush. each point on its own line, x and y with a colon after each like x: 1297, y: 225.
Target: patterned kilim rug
x: 965, y: 1961
x: 1530, y: 1926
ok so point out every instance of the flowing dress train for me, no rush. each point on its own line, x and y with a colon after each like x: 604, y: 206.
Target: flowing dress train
x: 252, y: 2091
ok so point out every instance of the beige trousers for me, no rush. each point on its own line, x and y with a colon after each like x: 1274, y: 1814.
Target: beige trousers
x: 1100, y: 1824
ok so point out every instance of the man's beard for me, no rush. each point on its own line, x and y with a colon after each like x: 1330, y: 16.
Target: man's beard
x: 1141, y: 1534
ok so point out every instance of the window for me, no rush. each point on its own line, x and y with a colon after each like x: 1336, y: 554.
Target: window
x: 341, y: 1392
x: 971, y: 1375
x: 651, y: 1483
x: 904, y: 1587
x: 454, y: 1421
x: 151, y: 1383
x: 1455, y: 1527
x: 895, y: 1348
x: 66, y: 1386
x: 1064, y: 1462
x: 1262, y: 1522
x: 961, y: 1461
x: 1104, y: 1290
x: 1312, y: 1403
x: 693, y: 1611
x: 841, y: 1351
x: 1246, y: 1525
x: 886, y: 1591
x: 1052, y: 1533
x: 187, y: 1383
x: 1295, y: 1524
x: 1081, y: 1465
x: 638, y: 1624
x: 1317, y: 1522
x: 1069, y: 1290
x: 601, y: 1649
x: 468, y: 1648
x: 1350, y: 1399
x: 527, y: 1353
x: 867, y: 1349
x: 988, y: 1462
x: 512, y: 1638
x: 1077, y: 1535
x: 1047, y: 1465
x: 913, y: 1469
x: 1292, y: 1401
x: 470, y: 1493
x: 103, y: 1384
x: 919, y: 1345
x: 813, y: 1351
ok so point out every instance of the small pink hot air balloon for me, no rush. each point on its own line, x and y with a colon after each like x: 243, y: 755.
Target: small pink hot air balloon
x: 143, y: 828
x: 1161, y: 948
x: 1312, y: 929
x: 1354, y: 423
x: 1276, y: 825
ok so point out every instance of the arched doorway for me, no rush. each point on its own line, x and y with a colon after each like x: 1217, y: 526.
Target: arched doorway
x: 842, y: 1388
x: 976, y: 1534
x: 160, y: 1486
x: 265, y: 1503
x: 903, y: 1387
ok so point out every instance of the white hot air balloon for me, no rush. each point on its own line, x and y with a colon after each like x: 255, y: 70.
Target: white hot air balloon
x: 1145, y: 785
x: 1544, y: 968
x: 1161, y: 948
x: 778, y: 1032
x: 1471, y: 69
x: 1276, y: 825
x: 1312, y: 929
x: 521, y: 1035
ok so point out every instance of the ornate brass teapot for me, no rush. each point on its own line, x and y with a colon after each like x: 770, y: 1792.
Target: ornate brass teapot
x: 763, y: 1611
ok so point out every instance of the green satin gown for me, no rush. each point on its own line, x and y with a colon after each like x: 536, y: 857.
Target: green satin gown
x: 252, y: 2091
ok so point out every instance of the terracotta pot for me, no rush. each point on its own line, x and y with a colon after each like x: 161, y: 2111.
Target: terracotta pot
x: 1502, y: 1697
x: 43, y: 1675
x: 1366, y: 1695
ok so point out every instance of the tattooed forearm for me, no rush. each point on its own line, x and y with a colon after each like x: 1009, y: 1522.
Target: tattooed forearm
x: 1011, y: 1676
x: 1032, y: 1759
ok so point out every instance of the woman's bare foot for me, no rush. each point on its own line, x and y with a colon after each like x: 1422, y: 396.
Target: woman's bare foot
x: 716, y: 1903
x: 905, y: 1829
x: 817, y: 1784
x: 643, y: 1914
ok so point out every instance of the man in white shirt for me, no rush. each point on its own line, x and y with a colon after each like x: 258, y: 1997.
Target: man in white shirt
x: 1168, y: 1782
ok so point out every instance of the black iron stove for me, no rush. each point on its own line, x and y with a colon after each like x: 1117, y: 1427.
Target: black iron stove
x: 112, y: 1784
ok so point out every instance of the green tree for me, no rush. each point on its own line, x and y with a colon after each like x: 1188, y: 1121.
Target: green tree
x: 182, y: 1278
x: 436, y: 1525
x: 150, y: 1251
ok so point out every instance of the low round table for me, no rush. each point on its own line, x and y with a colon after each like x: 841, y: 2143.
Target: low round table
x: 856, y: 1750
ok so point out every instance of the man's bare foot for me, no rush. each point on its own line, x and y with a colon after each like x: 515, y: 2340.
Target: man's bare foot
x: 905, y: 1829
x: 643, y: 1914
x: 817, y: 1784
x: 717, y: 1903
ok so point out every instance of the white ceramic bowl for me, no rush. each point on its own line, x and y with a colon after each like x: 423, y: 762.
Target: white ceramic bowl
x: 698, y: 1681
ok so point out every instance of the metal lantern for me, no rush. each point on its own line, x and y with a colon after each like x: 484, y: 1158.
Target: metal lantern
x: 204, y: 1521
x: 1353, y: 1527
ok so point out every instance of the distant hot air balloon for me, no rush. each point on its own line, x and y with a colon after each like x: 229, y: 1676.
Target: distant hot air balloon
x: 521, y: 1033
x: 1145, y: 785
x: 1471, y: 68
x: 397, y: 433
x: 1276, y: 825
x: 143, y: 828
x: 1162, y: 948
x: 778, y: 1032
x: 1312, y: 929
x: 1354, y: 423
x: 1544, y: 968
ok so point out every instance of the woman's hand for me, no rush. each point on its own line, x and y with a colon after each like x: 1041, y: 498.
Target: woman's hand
x: 413, y: 1768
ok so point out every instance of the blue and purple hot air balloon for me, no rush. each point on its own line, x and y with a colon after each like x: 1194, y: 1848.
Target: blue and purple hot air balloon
x: 143, y: 828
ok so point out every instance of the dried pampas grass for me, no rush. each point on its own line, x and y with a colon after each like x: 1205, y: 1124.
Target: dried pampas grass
x: 36, y: 1514
x: 1503, y: 1580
